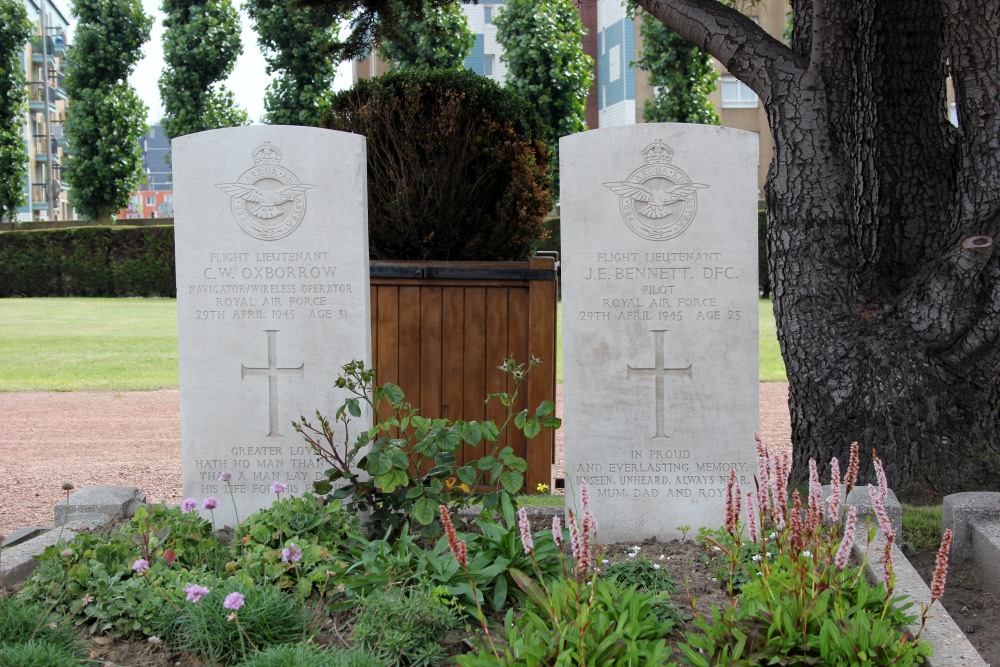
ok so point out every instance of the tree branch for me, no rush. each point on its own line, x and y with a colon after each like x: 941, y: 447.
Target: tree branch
x: 743, y: 47
x: 941, y: 307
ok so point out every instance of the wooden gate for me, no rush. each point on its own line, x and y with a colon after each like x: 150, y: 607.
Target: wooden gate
x: 441, y: 329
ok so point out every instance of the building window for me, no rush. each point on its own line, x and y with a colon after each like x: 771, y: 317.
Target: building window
x: 488, y: 16
x: 614, y: 63
x: 736, y: 94
x: 488, y: 64
x: 150, y: 200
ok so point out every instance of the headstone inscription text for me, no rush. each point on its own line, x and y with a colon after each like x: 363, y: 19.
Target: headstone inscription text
x: 272, y: 299
x: 659, y: 322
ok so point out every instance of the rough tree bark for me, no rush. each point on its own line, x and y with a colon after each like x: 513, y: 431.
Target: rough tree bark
x: 883, y: 220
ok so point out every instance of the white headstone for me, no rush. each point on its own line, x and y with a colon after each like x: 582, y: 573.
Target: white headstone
x: 271, y: 240
x: 659, y: 243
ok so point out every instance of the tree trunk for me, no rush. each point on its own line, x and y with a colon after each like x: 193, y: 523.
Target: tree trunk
x: 882, y: 221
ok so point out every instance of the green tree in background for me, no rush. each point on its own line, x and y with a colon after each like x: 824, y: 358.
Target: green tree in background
x: 681, y: 74
x: 428, y: 37
x: 105, y: 119
x: 201, y: 42
x: 14, y: 31
x: 296, y: 43
x: 546, y: 65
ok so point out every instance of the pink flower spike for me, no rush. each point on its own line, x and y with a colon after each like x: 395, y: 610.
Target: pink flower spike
x: 883, y: 485
x: 225, y: 476
x: 188, y: 505
x: 844, y: 552
x: 853, y: 464
x: 195, y: 592
x: 835, y: 483
x: 557, y: 536
x: 458, y: 548
x: 210, y: 503
x: 233, y: 601
x: 291, y: 553
x: 140, y: 565
x: 941, y: 567
x: 751, y: 517
x: 731, y: 511
x: 525, y: 526
x: 584, y: 496
x: 880, y: 513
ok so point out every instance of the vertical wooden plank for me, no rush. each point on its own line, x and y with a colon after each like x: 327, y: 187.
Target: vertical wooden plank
x: 496, y: 352
x: 374, y: 337
x: 475, y: 363
x: 518, y: 324
x: 387, y: 361
x: 409, y: 344
x: 542, y: 382
x: 431, y: 363
x: 453, y: 353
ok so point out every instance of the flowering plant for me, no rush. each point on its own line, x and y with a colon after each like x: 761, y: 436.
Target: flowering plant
x: 802, y: 602
x: 407, y: 465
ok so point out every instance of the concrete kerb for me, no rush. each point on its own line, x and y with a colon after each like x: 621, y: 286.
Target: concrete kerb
x: 960, y: 512
x: 91, y: 508
x: 951, y: 647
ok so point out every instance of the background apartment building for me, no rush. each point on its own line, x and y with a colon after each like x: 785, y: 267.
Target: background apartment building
x: 44, y: 61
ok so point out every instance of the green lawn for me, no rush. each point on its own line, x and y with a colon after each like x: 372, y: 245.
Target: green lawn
x: 88, y: 344
x: 131, y: 344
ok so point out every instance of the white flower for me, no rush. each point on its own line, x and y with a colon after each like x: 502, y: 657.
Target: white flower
x: 717, y: 548
x: 769, y: 555
x: 662, y: 556
x: 636, y: 547
x: 656, y: 566
x: 756, y: 558
x: 807, y: 554
x: 772, y: 535
x: 631, y: 554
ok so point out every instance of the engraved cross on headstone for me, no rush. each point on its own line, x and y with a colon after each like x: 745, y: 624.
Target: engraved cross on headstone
x: 659, y: 371
x: 272, y: 372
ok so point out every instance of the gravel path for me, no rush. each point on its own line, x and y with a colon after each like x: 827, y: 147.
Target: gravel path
x: 133, y: 439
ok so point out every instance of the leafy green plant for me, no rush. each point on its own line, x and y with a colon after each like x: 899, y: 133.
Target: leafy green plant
x: 35, y: 653
x: 308, y: 655
x: 22, y: 622
x: 597, y: 622
x: 405, y: 625
x: 800, y: 601
x: 318, y: 527
x: 208, y: 629
x: 639, y: 573
x: 405, y: 466
x: 159, y: 531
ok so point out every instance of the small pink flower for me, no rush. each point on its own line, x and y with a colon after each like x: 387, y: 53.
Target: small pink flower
x: 188, y: 505
x: 278, y: 488
x: 225, y: 476
x: 233, y: 601
x: 140, y: 565
x: 195, y: 592
x: 557, y: 531
x: 751, y: 516
x: 291, y: 553
x: 883, y: 485
x: 210, y: 503
x: 525, y: 527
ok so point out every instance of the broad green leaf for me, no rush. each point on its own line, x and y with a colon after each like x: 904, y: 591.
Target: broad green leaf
x: 511, y: 481
x: 424, y: 511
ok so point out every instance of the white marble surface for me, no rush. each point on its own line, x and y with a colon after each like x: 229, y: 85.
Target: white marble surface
x: 659, y: 253
x: 272, y: 299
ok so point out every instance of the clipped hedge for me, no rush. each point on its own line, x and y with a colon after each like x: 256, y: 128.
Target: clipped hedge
x: 88, y: 261
x: 458, y: 168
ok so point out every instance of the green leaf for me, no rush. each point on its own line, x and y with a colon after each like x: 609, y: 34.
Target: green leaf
x: 511, y: 481
x: 471, y: 433
x: 354, y: 407
x: 532, y: 428
x: 490, y: 431
x: 393, y: 393
x: 322, y: 487
x: 467, y: 474
x: 424, y: 511
x: 521, y: 418
x: 546, y: 408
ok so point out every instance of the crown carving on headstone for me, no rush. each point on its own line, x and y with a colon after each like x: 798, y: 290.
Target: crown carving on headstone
x: 657, y: 153
x: 266, y: 153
